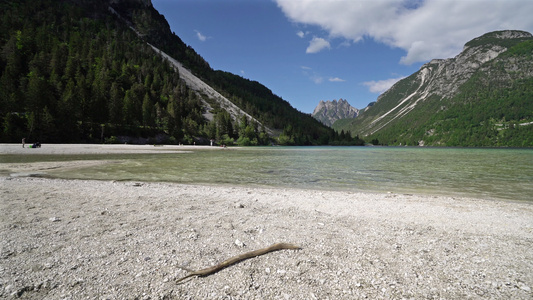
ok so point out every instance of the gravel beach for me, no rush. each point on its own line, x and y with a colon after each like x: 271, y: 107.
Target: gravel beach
x: 78, y: 239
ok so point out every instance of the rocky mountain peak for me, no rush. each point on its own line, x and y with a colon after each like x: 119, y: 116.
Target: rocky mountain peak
x: 328, y: 112
x: 446, y: 75
x: 497, y: 37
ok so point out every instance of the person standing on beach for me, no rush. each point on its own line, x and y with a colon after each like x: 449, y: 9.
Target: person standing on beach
x: 23, y: 142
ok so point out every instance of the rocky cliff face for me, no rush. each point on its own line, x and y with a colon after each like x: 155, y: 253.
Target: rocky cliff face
x: 496, y: 63
x: 443, y: 78
x: 328, y: 112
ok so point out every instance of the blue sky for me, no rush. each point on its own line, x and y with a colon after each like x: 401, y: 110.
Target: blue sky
x: 311, y: 50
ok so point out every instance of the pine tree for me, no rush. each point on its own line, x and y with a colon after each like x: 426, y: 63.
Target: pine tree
x: 147, y: 111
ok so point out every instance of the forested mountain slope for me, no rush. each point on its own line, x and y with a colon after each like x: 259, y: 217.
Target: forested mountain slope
x: 481, y: 97
x: 82, y: 71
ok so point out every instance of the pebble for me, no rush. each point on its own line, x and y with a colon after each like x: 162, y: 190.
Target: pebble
x: 239, y: 244
x: 525, y: 287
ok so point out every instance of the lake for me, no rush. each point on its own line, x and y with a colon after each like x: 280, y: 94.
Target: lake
x: 472, y: 172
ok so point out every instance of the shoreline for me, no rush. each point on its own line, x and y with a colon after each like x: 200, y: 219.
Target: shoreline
x: 80, y: 155
x: 80, y: 149
x: 121, y: 239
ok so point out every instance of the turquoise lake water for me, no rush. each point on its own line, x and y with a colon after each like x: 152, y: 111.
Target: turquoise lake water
x: 472, y: 172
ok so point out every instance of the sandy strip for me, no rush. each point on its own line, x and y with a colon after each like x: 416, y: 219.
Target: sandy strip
x: 64, y: 149
x: 41, y: 168
x: 125, y: 240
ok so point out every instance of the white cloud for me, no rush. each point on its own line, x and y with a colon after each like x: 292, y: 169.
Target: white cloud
x: 425, y: 29
x: 381, y: 86
x: 344, y: 44
x: 200, y: 36
x: 317, y: 79
x: 312, y: 75
x: 317, y: 44
x: 300, y: 34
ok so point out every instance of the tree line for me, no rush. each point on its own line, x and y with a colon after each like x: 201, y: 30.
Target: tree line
x: 67, y: 77
x: 71, y: 71
x: 251, y: 96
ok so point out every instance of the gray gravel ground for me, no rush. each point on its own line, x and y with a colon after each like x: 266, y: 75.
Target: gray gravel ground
x: 72, y: 239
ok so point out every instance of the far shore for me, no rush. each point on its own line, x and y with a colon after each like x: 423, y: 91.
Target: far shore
x: 100, y: 148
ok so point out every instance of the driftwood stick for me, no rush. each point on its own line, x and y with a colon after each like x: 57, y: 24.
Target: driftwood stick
x: 239, y: 258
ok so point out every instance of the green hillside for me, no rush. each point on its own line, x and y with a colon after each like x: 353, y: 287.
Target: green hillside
x: 484, y: 103
x: 73, y: 71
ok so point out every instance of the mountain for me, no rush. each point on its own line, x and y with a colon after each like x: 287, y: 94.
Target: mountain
x: 481, y: 97
x: 233, y: 94
x: 113, y: 71
x: 330, y: 111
